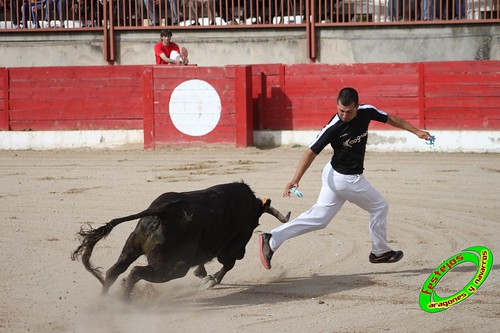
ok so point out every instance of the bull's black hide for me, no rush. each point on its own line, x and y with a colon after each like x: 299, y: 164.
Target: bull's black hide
x: 182, y: 230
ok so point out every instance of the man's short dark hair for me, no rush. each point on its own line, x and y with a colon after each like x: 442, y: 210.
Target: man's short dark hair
x: 348, y: 96
x: 165, y: 32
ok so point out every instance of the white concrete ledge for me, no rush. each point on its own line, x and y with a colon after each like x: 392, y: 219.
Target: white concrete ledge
x: 397, y: 141
x: 48, y: 140
x: 380, y: 141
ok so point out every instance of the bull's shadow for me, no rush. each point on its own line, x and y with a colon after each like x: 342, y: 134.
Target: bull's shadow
x: 286, y: 289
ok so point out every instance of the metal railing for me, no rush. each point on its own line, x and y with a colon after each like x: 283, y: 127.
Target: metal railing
x: 107, y: 16
x: 18, y: 15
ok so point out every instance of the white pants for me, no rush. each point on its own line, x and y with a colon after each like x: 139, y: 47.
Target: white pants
x: 335, y: 190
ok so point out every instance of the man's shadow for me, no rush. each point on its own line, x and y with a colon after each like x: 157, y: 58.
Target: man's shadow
x: 427, y: 271
x: 316, y: 286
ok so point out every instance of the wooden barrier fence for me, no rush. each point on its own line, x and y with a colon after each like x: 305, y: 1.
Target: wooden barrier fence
x: 183, y: 105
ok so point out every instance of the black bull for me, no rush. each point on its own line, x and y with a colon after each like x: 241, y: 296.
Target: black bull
x: 182, y: 230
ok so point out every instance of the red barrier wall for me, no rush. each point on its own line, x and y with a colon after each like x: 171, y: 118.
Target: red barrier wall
x: 232, y: 85
x: 437, y: 96
x: 69, y: 98
x: 462, y: 95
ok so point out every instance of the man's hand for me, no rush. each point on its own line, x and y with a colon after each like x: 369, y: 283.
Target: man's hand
x: 288, y: 186
x: 423, y: 134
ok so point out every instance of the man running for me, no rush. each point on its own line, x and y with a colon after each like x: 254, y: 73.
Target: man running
x: 342, y: 179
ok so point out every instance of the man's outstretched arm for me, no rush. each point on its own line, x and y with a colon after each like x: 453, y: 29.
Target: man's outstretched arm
x: 304, y: 164
x: 403, y: 124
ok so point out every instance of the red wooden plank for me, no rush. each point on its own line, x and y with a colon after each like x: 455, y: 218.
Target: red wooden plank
x: 82, y: 72
x: 353, y: 69
x: 165, y: 133
x: 4, y: 105
x: 439, y: 124
x: 188, y: 72
x: 462, y: 90
x: 148, y: 123
x: 98, y: 81
x: 82, y: 93
x: 464, y: 80
x: 267, y: 69
x: 464, y: 102
x: 77, y: 124
x: 390, y: 77
x: 461, y: 113
x: 61, y: 108
x: 475, y: 66
x: 244, y: 115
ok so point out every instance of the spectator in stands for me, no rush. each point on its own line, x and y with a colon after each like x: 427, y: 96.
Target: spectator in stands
x: 54, y: 9
x: 429, y: 8
x: 322, y: 10
x: 154, y: 18
x: 16, y: 12
x: 459, y: 9
x: 199, y: 9
x: 24, y: 12
x: 394, y: 10
x: 175, y: 12
x: 400, y: 10
x: 90, y: 12
x: 154, y: 11
x: 168, y: 52
x: 230, y: 8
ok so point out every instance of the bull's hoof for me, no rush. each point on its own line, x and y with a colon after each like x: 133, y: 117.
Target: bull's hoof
x: 207, y: 283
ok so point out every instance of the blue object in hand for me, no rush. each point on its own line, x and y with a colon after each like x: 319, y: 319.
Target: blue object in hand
x: 297, y: 193
x: 431, y: 140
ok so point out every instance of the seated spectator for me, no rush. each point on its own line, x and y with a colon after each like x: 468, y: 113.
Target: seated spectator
x: 168, y: 52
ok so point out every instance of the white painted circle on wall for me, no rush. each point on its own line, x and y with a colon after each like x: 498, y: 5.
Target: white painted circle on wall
x: 195, y: 107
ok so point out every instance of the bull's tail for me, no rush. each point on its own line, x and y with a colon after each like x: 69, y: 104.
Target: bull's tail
x: 89, y: 238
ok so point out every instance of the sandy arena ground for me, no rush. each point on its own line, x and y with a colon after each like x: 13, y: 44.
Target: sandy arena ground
x: 320, y: 282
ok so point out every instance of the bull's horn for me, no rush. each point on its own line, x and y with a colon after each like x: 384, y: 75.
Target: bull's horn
x: 274, y: 212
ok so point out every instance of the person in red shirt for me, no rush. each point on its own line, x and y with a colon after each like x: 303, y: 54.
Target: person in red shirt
x: 167, y: 52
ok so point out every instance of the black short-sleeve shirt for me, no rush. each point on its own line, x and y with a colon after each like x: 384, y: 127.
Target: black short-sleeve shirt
x: 348, y: 139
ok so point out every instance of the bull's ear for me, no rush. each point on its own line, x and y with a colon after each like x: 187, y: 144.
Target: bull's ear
x: 266, y: 202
